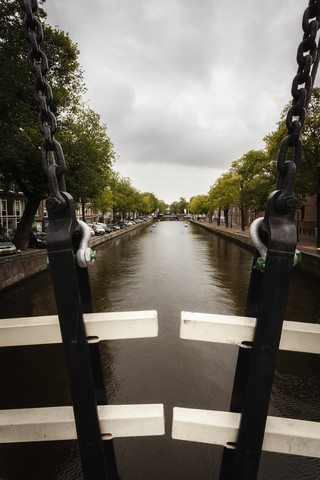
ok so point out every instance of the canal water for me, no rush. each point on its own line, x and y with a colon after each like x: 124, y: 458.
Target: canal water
x: 171, y: 269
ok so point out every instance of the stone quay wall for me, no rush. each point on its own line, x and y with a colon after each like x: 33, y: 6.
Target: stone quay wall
x: 309, y: 265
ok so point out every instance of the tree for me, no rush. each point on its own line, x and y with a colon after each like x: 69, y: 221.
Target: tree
x: 148, y: 203
x: 104, y: 202
x: 307, y: 180
x: 199, y: 204
x: 309, y: 173
x: 224, y: 193
x: 174, y: 207
x: 249, y: 173
x: 124, y: 194
x: 179, y: 206
x: 89, y: 156
x: 19, y: 136
x: 144, y: 203
x: 183, y: 205
x: 154, y: 202
x: 162, y: 206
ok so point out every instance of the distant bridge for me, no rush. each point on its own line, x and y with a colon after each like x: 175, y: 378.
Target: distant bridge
x: 174, y: 216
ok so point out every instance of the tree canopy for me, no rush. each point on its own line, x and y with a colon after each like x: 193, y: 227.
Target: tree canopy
x: 89, y: 154
x: 20, y: 139
x: 87, y: 148
x: 199, y: 204
x: 179, y: 206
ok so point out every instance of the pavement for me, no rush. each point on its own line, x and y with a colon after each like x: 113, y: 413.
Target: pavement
x: 304, y: 244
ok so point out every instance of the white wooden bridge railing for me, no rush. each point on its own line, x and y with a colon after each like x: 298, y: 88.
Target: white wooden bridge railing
x: 57, y: 423
x: 282, y: 435
x: 99, y: 326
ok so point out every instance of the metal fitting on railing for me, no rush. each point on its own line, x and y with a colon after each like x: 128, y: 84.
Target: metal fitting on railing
x: 262, y: 248
x: 85, y: 256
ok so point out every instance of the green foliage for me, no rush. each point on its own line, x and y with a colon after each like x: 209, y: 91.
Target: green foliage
x: 123, y: 193
x: 308, y: 176
x: 87, y: 148
x: 174, y: 207
x: 254, y: 179
x: 199, y: 204
x: 154, y: 202
x: 224, y: 192
x: 144, y: 204
x: 179, y: 206
x: 310, y: 167
x: 148, y: 203
x: 104, y: 202
x: 162, y: 206
x: 89, y: 154
x: 20, y: 138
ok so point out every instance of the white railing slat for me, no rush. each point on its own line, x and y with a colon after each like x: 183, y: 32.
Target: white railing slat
x: 99, y: 326
x: 282, y: 435
x: 296, y: 336
x: 57, y: 423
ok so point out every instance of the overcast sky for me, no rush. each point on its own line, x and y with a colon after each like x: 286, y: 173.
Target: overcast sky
x: 185, y: 86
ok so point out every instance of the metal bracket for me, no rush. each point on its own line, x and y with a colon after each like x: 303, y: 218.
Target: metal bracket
x: 85, y: 256
x: 262, y: 248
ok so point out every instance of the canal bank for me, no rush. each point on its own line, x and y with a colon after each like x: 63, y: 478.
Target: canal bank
x: 20, y: 267
x: 310, y: 259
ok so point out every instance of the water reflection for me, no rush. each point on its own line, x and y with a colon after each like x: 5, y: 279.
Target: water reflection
x: 174, y: 268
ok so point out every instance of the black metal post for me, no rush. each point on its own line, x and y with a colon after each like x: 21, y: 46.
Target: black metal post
x: 96, y: 364
x: 77, y: 355
x: 255, y: 368
x: 298, y: 226
x: 242, y: 367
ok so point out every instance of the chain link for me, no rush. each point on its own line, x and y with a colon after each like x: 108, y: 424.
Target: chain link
x: 52, y: 156
x: 306, y: 55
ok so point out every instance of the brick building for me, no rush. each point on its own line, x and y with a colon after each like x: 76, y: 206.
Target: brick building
x: 306, y: 217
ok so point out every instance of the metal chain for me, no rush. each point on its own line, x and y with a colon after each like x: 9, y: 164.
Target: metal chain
x: 306, y: 55
x: 52, y: 156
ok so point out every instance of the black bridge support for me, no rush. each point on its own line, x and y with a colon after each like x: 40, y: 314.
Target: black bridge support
x: 267, y: 298
x: 83, y: 363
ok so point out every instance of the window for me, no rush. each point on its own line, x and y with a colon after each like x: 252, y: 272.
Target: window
x: 17, y: 208
x: 3, y: 208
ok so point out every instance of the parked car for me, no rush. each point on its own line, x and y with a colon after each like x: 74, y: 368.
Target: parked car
x: 113, y: 227
x: 98, y: 230
x: 37, y: 240
x: 120, y: 225
x: 106, y: 228
x: 6, y: 247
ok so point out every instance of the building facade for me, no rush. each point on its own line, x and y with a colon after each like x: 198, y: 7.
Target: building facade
x: 306, y: 217
x: 13, y: 203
